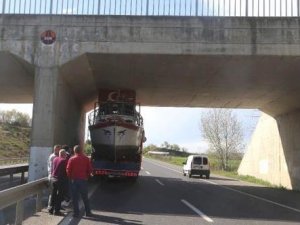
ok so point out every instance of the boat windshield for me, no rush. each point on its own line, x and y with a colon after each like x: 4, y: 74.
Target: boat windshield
x: 118, y: 108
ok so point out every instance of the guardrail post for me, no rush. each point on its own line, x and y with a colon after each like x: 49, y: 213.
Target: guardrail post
x: 19, y: 212
x: 38, y: 203
x: 99, y: 7
x: 11, y: 177
x: 22, y: 178
x: 51, y: 5
x: 147, y: 8
x: 3, y: 6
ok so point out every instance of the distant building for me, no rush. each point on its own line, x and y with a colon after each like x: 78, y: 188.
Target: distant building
x: 158, y: 153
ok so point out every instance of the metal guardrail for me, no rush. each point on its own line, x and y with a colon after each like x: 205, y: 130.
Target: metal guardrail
x: 20, y: 193
x: 10, y: 161
x: 243, y: 8
x: 13, y: 169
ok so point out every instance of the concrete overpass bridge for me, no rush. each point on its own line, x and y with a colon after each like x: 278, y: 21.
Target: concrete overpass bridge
x: 58, y: 62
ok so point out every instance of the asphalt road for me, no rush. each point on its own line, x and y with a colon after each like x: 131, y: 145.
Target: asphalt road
x: 163, y: 196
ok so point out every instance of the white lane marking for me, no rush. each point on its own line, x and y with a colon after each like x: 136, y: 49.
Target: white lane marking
x: 205, y: 217
x: 260, y: 198
x: 158, y: 181
x: 240, y: 192
x: 147, y: 172
x: 211, y: 182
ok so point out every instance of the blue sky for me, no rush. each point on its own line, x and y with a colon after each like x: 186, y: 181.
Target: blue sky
x: 179, y: 126
x: 182, y: 126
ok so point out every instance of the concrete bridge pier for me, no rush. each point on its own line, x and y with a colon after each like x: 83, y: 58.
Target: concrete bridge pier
x: 57, y: 118
x: 289, y: 131
x: 274, y: 151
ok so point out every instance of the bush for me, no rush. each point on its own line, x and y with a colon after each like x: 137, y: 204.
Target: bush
x: 88, y: 148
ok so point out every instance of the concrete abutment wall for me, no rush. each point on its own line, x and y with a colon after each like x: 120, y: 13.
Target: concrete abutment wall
x: 274, y: 151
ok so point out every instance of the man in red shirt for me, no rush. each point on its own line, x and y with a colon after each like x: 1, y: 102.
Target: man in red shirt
x: 79, y: 169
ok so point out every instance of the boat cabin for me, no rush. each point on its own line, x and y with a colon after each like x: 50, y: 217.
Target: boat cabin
x: 117, y: 108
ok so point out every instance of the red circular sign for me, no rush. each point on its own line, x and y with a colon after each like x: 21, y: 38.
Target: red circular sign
x: 48, y: 37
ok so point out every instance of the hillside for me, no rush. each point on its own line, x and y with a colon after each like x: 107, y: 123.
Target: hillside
x: 14, y: 141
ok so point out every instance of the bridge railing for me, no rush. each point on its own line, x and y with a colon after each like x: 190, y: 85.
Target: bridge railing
x: 11, y: 161
x: 238, y: 8
x: 20, y: 193
x: 13, y: 169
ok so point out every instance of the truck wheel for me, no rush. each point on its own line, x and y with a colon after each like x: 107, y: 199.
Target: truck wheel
x: 184, y: 174
x: 207, y: 176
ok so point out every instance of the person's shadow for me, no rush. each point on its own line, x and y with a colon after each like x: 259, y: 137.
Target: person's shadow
x: 106, y: 219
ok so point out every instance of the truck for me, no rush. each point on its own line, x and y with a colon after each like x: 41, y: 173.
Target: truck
x: 117, y: 134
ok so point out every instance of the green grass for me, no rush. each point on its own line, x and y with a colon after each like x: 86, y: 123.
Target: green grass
x: 235, y: 175
x: 233, y: 164
x: 14, y: 141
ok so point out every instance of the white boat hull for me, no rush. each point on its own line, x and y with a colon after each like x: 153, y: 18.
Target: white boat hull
x: 117, y: 141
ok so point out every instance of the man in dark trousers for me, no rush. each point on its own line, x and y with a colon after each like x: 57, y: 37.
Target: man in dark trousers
x: 59, y: 181
x: 79, y: 169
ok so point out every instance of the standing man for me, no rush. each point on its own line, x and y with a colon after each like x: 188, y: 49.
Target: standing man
x: 79, y: 169
x: 51, y: 158
x: 50, y: 165
x: 60, y: 182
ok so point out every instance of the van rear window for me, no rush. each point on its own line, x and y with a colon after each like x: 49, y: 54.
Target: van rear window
x: 205, y: 161
x: 197, y: 160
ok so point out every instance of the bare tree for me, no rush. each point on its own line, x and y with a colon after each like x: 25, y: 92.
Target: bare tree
x: 223, y: 132
x: 165, y: 145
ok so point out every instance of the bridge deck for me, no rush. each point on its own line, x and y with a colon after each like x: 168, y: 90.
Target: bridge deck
x: 43, y: 218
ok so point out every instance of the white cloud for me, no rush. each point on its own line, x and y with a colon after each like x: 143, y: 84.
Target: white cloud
x: 195, y: 147
x: 69, y: 11
x: 24, y: 108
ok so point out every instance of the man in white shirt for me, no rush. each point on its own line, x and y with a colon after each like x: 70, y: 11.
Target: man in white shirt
x: 51, y: 158
x: 55, y: 153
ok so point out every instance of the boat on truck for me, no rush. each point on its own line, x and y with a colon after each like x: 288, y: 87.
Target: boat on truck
x: 117, y: 134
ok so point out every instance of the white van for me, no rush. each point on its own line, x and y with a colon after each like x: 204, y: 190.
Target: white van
x: 196, y: 165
